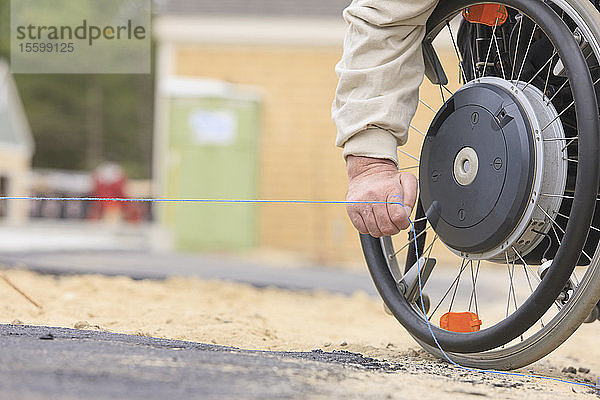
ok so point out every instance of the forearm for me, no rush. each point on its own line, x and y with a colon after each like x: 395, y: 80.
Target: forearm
x: 379, y: 75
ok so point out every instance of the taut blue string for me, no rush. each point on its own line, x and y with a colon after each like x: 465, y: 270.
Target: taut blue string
x: 224, y: 201
x: 260, y: 201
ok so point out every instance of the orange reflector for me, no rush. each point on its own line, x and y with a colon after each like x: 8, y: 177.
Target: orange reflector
x: 487, y: 14
x: 463, y: 322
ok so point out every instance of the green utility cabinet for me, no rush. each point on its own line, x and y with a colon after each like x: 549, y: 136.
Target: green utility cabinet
x: 212, y: 154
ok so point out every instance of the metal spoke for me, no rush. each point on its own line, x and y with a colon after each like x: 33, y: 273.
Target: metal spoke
x: 568, y: 144
x: 586, y: 256
x: 566, y: 108
x: 548, y: 75
x: 450, y: 92
x: 556, y: 234
x: 525, y: 268
x: 531, y: 288
x: 539, y: 71
x: 551, y: 219
x: 526, y: 265
x: 512, y: 284
x: 447, y: 291
x: 561, y: 230
x: 511, y: 288
x: 462, y: 267
x: 460, y: 61
x: 561, y: 196
x: 557, y: 92
x: 559, y: 138
x: 508, y: 297
x: 430, y: 247
x: 526, y: 51
x: 417, y: 129
x: 427, y: 105
x: 409, y: 155
x: 559, y: 115
x: 474, y: 285
x: 487, y: 57
x: 592, y: 227
x: 528, y: 280
x: 564, y: 84
x: 537, y: 278
x: 568, y: 125
x: 427, y: 250
x: 410, y: 241
x: 407, y: 168
x: 474, y: 66
x: 511, y: 272
x: 512, y: 71
x: 419, y: 220
x: 499, y: 57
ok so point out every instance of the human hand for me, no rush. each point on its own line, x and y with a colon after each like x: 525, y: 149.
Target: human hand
x: 378, y: 180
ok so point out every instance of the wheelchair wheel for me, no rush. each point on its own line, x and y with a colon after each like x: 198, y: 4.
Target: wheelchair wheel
x: 508, y: 175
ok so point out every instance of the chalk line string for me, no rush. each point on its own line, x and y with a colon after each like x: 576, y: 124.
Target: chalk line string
x: 317, y: 202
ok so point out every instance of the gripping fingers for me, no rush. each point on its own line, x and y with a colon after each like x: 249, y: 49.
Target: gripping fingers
x: 386, y: 224
x: 357, y: 219
x: 368, y: 216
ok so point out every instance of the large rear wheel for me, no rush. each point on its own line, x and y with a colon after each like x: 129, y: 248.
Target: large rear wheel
x: 508, y: 172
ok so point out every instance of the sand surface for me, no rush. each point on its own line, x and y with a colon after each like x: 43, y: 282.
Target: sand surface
x: 243, y: 316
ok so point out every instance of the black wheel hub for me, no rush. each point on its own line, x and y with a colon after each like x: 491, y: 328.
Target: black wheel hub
x: 477, y: 167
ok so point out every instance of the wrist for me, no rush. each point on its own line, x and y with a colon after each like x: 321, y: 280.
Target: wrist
x: 359, y: 165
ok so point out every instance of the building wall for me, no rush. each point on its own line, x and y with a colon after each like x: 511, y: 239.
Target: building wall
x: 16, y: 166
x: 298, y: 156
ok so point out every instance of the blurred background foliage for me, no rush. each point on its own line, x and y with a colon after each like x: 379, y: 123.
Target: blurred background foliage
x: 79, y: 120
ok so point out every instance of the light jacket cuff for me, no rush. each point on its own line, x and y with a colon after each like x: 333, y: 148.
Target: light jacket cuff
x: 374, y: 143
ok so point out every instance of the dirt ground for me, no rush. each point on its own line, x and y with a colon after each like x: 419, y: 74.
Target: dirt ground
x: 274, y: 319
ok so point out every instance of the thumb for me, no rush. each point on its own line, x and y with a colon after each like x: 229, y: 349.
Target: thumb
x: 399, y: 199
x: 408, y: 211
x: 399, y: 212
x: 409, y: 185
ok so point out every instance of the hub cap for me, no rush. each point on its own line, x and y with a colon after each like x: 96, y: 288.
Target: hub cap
x: 466, y: 165
x: 483, y: 163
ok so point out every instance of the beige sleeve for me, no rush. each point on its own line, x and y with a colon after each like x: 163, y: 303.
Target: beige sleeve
x: 379, y: 75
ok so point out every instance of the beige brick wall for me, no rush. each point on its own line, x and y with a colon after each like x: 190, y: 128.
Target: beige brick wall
x: 298, y: 157
x: 16, y: 166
